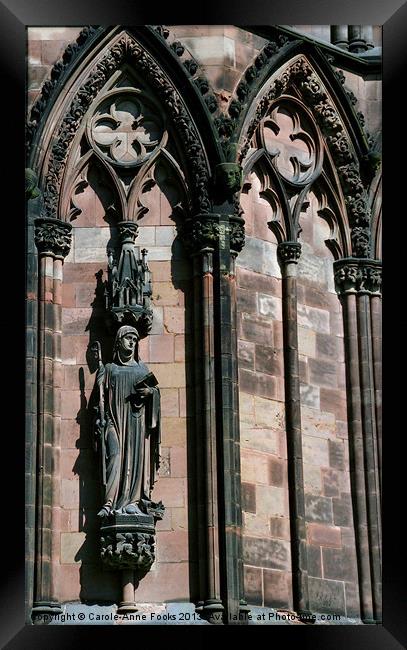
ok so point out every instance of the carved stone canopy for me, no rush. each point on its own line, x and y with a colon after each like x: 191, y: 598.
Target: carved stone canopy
x: 128, y: 289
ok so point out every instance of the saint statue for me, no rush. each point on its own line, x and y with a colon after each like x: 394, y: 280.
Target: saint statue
x: 127, y: 428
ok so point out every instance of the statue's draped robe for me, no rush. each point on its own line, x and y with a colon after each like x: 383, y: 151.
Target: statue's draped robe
x: 132, y: 434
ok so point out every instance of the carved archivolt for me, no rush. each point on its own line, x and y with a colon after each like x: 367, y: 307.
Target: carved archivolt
x: 300, y: 81
x: 125, y: 128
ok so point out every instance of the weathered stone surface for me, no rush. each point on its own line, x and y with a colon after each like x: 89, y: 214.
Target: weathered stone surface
x: 257, y: 281
x: 259, y: 256
x: 306, y: 342
x: 317, y: 423
x: 260, y: 439
x: 326, y: 596
x: 314, y: 561
x: 318, y: 509
x: 352, y: 600
x: 269, y: 360
x: 342, y: 509
x: 271, y: 500
x: 269, y: 306
x: 246, y: 354
x: 172, y: 546
x: 267, y: 553
x: 277, y: 472
x: 280, y: 527
x: 255, y: 329
x: 253, y: 585
x: 255, y: 524
x: 248, y: 497
x: 269, y: 413
x: 254, y: 467
x: 315, y: 451
x: 323, y: 535
x: 339, y: 564
x: 312, y: 479
x: 323, y: 373
x: 309, y: 395
x: 334, y: 401
x: 71, y: 543
x: 276, y: 591
x: 330, y: 482
x: 246, y: 301
x: 336, y: 454
x: 313, y: 318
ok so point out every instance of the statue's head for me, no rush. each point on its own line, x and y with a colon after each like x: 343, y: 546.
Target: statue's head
x: 228, y: 178
x: 125, y: 344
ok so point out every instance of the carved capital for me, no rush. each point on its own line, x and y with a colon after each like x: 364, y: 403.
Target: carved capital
x: 358, y: 276
x: 128, y: 231
x: 288, y: 252
x: 200, y: 233
x: 53, y: 237
x: 237, y: 234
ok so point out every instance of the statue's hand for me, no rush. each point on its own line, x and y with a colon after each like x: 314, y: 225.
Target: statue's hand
x: 144, y: 392
x: 99, y: 425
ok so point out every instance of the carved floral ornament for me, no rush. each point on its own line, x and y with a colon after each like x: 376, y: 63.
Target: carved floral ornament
x: 53, y: 237
x: 299, y: 78
x: 358, y: 276
x: 119, y: 137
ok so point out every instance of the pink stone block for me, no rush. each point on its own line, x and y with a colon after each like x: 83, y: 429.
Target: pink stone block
x: 161, y: 348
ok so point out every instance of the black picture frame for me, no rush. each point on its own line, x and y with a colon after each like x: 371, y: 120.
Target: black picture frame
x: 15, y: 16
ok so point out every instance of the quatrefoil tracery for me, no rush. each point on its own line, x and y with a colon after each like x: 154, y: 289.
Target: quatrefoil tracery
x: 292, y: 142
x: 125, y: 130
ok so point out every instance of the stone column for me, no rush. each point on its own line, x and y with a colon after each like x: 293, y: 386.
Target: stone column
x: 288, y: 254
x: 358, y: 284
x: 339, y: 36
x: 200, y: 238
x: 53, y: 239
x: 231, y: 240
x: 357, y: 42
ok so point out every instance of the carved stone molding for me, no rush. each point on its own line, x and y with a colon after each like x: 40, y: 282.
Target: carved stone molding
x: 31, y: 189
x: 237, y: 234
x: 250, y: 78
x: 53, y: 237
x: 358, y: 276
x: 301, y: 76
x: 50, y: 85
x: 128, y: 542
x: 126, y: 49
x: 288, y: 252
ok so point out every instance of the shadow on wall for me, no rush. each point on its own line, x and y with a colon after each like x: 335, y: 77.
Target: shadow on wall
x: 97, y: 584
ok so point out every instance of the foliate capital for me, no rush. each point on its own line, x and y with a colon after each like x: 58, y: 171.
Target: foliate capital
x: 53, y: 237
x: 200, y: 232
x: 288, y: 252
x: 353, y: 275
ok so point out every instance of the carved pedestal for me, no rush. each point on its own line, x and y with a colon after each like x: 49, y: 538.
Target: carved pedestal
x: 127, y: 545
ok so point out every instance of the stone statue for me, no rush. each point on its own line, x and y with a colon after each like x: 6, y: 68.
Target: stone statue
x: 127, y: 428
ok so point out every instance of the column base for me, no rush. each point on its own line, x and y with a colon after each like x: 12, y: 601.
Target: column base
x: 213, y: 610
x: 127, y: 608
x: 44, y: 610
